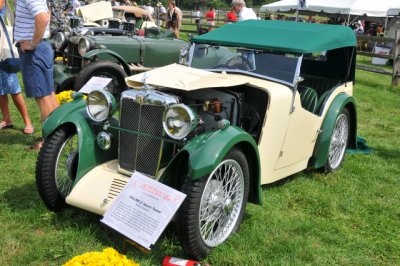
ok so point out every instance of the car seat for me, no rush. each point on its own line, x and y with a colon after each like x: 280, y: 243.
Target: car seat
x: 308, y: 98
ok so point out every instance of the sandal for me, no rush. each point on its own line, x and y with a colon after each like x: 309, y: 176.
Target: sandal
x: 3, y: 125
x: 28, y: 130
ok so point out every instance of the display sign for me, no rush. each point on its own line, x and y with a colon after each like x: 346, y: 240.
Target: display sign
x: 95, y: 83
x: 143, y: 209
x: 380, y: 49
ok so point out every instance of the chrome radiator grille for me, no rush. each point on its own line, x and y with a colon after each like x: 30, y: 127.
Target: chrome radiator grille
x: 139, y: 152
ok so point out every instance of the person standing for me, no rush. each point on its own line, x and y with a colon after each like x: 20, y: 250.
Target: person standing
x: 174, y: 18
x: 159, y: 13
x: 31, y: 27
x: 149, y: 8
x: 243, y: 12
x: 231, y: 16
x: 197, y: 16
x: 9, y: 84
x: 210, y: 17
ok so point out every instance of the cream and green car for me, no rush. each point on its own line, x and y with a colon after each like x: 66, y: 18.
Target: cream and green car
x: 252, y: 102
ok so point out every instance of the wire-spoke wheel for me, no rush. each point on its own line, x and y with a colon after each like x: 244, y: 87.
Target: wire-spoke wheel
x: 56, y: 167
x: 214, y: 206
x: 339, y: 141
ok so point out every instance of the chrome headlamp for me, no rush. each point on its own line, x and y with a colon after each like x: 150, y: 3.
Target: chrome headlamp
x: 178, y: 121
x: 60, y: 41
x: 101, y: 105
x: 183, y: 55
x: 83, y: 46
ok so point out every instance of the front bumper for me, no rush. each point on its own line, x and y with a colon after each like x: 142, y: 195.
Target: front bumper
x: 97, y: 189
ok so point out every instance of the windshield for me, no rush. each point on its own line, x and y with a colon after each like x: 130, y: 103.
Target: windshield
x: 280, y: 66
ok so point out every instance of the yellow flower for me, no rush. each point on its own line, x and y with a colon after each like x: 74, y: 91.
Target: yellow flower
x: 109, y: 257
x: 65, y: 96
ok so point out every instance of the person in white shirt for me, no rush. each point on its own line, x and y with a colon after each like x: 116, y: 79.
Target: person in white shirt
x: 159, y: 13
x: 243, y: 12
x: 149, y: 8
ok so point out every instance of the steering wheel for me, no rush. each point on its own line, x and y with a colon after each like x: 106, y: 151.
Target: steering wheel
x: 239, y: 62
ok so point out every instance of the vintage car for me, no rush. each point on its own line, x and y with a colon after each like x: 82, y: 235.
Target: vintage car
x: 255, y: 102
x: 116, y: 51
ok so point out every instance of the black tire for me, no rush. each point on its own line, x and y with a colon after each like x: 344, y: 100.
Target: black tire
x: 105, y: 69
x: 212, y: 192
x: 56, y: 167
x: 339, y: 142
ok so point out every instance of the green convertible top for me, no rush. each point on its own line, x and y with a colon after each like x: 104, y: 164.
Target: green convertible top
x: 285, y: 36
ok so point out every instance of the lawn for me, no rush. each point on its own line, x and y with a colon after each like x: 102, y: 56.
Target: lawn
x: 350, y: 217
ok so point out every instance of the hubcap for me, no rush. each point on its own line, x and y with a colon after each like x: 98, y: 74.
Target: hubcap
x: 221, y: 203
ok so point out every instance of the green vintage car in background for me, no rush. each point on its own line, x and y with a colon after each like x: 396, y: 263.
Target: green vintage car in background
x: 84, y: 52
x: 254, y: 102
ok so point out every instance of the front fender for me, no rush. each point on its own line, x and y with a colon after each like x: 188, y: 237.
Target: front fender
x: 321, y: 150
x: 203, y: 153
x: 91, y: 54
x: 73, y: 114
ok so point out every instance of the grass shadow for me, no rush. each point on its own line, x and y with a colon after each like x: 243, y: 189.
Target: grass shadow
x: 15, y: 136
x: 21, y: 198
x: 387, y: 153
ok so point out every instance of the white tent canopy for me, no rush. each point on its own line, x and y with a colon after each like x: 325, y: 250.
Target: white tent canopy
x: 370, y: 8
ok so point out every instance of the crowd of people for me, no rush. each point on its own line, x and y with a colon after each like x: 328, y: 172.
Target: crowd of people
x: 34, y: 21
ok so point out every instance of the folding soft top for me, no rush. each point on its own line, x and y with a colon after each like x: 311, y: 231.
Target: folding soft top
x: 284, y: 36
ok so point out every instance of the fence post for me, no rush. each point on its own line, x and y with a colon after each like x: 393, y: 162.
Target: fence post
x: 396, y: 62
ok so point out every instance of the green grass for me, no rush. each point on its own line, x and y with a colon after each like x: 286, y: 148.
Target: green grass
x: 350, y: 217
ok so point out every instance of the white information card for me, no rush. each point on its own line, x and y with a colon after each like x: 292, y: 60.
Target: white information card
x: 95, y: 83
x: 143, y: 209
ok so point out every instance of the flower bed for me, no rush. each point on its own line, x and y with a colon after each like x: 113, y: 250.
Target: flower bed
x: 109, y: 256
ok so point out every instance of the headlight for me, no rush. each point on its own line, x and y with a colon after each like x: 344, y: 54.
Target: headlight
x: 178, y: 121
x: 101, y: 105
x: 60, y: 41
x: 183, y: 55
x: 83, y: 46
x: 89, y: 33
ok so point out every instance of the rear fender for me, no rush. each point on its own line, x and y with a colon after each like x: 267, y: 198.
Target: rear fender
x: 202, y: 154
x: 96, y: 52
x: 73, y: 115
x: 321, y: 149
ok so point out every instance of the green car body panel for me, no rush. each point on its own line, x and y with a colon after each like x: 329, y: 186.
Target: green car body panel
x: 206, y: 151
x: 149, y: 52
x: 321, y: 151
x: 74, y: 114
x: 109, y: 55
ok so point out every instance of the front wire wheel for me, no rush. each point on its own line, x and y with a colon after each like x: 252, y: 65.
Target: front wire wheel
x: 214, y: 205
x: 56, y: 167
x: 339, y: 141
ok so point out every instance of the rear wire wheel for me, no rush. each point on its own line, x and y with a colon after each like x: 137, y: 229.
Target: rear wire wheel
x: 214, y: 205
x: 339, y: 142
x: 56, y: 167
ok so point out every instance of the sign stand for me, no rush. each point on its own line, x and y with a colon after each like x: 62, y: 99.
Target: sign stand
x: 133, y: 244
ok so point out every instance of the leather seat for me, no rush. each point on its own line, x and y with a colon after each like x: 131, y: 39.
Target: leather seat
x: 308, y: 98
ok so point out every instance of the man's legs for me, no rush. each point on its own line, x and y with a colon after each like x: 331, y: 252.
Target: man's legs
x: 46, y: 105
